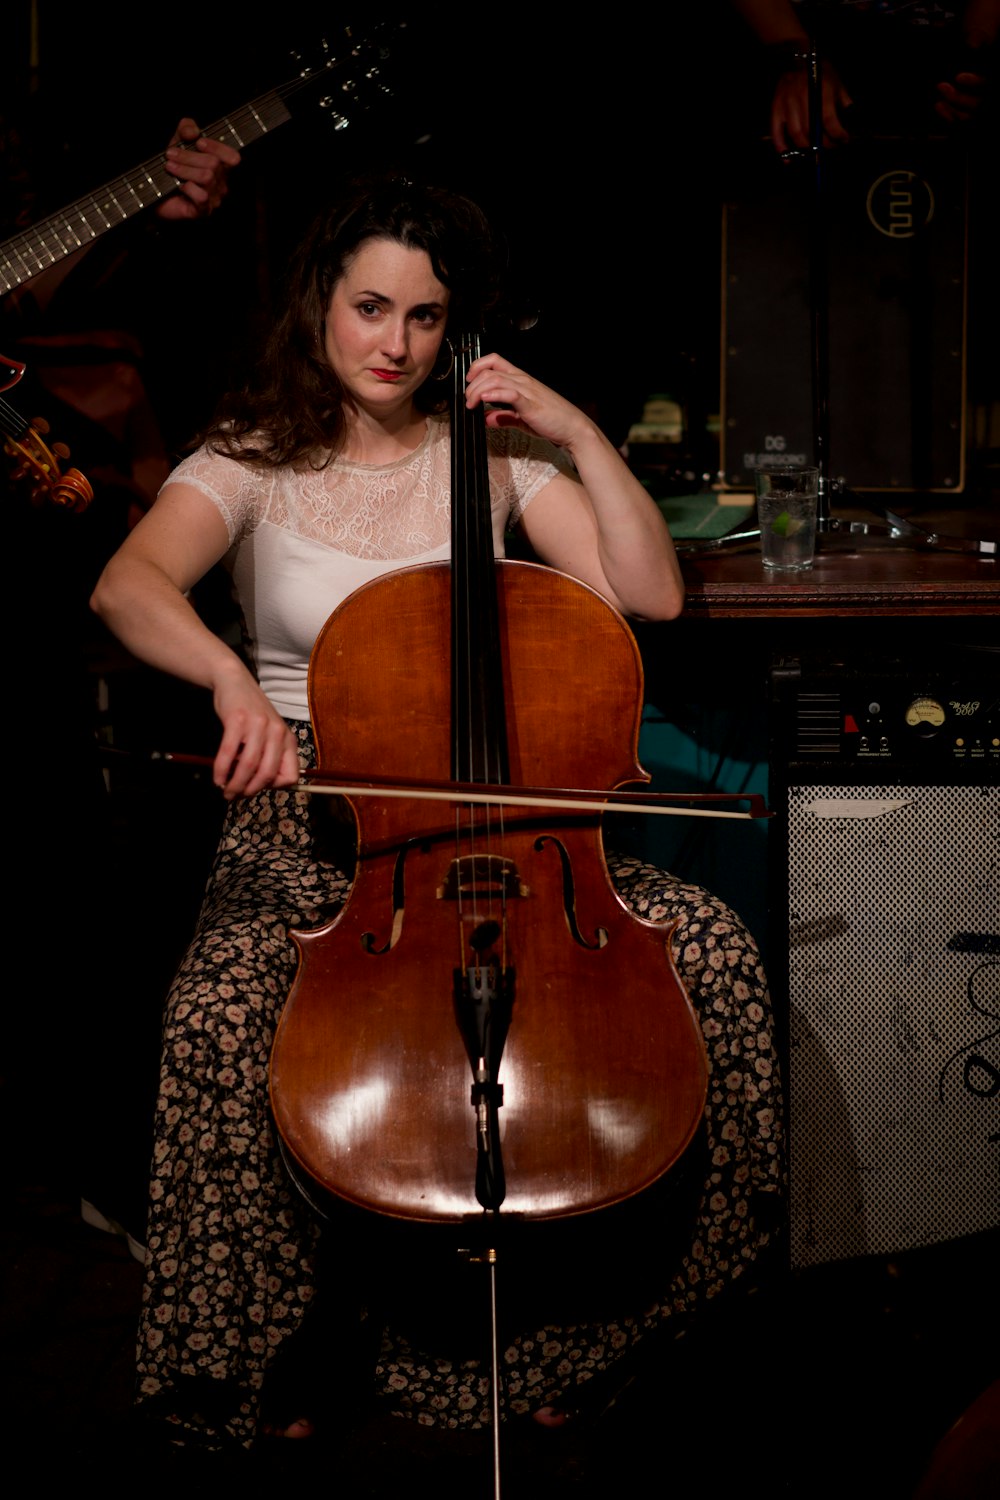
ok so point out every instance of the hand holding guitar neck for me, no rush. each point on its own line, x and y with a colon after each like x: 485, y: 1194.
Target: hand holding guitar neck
x: 200, y: 165
x: 189, y: 179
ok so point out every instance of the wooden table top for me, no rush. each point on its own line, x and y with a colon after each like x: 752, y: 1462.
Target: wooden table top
x: 851, y: 576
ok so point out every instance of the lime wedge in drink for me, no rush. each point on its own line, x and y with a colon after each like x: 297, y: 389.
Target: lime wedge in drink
x: 786, y: 525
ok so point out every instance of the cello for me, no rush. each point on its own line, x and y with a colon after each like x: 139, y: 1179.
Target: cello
x: 600, y: 1096
x: 484, y: 1024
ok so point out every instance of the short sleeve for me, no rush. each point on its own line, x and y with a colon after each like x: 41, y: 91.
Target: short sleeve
x: 238, y: 490
x: 522, y: 465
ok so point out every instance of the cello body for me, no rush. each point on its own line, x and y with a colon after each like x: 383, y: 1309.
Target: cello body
x: 601, y: 1075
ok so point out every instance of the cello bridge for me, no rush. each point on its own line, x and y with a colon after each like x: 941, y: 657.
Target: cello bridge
x: 481, y: 877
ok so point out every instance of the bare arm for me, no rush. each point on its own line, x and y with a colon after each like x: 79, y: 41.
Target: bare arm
x: 773, y: 20
x: 981, y: 23
x: 606, y: 531
x: 142, y: 597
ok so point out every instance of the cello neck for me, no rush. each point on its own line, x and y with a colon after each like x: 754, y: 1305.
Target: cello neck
x: 479, y: 736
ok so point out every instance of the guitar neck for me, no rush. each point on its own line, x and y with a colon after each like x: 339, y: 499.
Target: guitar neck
x: 50, y: 241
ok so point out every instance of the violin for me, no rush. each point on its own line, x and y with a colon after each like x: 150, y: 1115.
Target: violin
x: 485, y: 1022
x: 33, y: 462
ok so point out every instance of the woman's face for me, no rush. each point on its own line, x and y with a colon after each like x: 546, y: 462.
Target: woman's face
x: 385, y: 324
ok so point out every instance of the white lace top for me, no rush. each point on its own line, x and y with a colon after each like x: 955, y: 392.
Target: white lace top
x: 302, y: 539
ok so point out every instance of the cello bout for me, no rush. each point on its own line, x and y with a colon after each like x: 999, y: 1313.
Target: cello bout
x: 602, y: 1065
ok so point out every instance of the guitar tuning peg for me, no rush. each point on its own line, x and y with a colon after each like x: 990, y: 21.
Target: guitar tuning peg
x: 339, y: 121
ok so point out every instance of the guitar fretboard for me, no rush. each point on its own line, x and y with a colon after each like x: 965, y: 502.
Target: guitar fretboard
x: 41, y: 246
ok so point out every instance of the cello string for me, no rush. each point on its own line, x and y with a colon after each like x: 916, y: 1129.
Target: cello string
x: 461, y: 709
x: 489, y: 696
x: 11, y: 420
x: 475, y: 619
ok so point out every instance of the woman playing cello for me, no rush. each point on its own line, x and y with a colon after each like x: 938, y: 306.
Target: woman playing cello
x: 329, y: 468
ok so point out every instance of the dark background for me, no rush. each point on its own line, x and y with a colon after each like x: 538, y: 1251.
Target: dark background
x: 603, y: 146
x: 599, y: 147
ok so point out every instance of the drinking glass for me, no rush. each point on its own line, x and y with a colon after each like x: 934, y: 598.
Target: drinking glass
x: 787, y: 498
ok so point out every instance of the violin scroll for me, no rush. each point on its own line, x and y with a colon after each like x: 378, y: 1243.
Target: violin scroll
x: 32, y: 461
x: 37, y: 465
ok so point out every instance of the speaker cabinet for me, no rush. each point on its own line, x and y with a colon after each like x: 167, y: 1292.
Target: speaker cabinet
x: 892, y: 241
x: 890, y: 852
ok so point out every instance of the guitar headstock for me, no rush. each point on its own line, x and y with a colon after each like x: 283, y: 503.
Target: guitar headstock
x: 353, y: 66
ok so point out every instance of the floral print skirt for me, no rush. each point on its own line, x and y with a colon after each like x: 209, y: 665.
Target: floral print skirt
x: 235, y: 1252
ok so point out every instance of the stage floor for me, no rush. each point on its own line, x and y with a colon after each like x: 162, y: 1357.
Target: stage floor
x: 841, y: 1383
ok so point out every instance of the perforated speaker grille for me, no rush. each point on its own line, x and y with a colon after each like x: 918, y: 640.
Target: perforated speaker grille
x: 894, y: 987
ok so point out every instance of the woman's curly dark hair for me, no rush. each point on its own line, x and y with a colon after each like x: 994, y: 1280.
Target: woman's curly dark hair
x: 291, y: 406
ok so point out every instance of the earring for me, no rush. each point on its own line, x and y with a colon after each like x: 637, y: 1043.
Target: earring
x: 449, y: 353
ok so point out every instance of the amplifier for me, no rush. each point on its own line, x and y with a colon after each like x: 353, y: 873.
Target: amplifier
x: 894, y: 242
x: 886, y: 715
x: 885, y: 860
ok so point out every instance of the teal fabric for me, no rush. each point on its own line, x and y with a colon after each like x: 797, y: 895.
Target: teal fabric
x: 691, y: 516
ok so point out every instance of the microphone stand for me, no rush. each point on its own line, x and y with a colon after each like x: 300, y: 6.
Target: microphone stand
x: 819, y: 314
x: 819, y: 290
x: 893, y: 526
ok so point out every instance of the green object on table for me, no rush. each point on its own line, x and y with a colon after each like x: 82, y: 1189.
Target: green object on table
x: 693, y: 516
